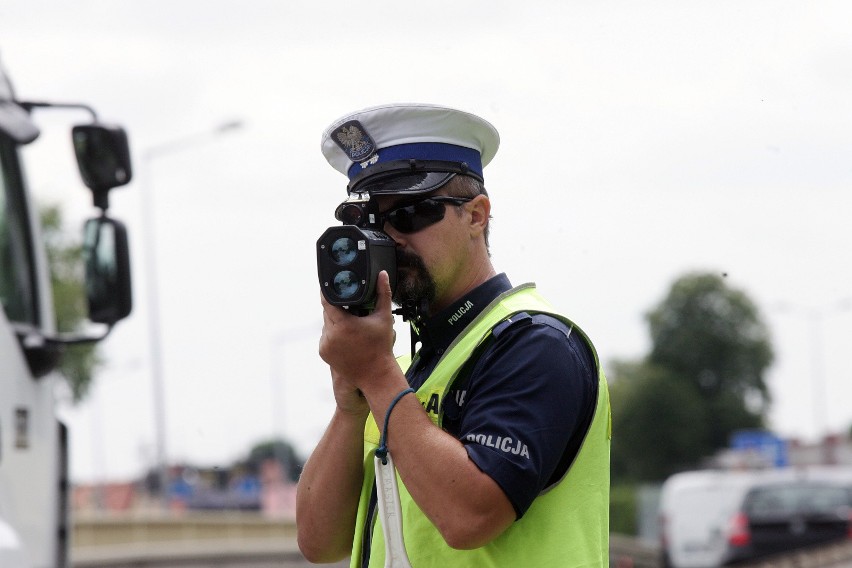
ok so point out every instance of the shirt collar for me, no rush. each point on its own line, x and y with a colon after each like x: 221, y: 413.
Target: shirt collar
x: 438, y: 331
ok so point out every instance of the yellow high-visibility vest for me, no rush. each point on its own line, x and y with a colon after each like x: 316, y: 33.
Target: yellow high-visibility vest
x: 566, y: 526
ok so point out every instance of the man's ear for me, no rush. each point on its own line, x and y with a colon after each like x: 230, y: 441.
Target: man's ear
x: 480, y: 213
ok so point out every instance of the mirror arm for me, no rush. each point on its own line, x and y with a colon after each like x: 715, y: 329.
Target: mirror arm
x: 44, y: 352
x: 72, y: 339
x: 30, y: 105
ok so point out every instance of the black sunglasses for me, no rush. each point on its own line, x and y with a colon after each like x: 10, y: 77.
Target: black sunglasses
x: 413, y: 217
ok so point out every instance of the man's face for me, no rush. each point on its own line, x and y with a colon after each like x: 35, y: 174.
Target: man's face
x: 422, y: 256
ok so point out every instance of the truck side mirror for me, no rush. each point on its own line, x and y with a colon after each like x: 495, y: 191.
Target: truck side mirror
x: 107, y: 260
x: 103, y: 156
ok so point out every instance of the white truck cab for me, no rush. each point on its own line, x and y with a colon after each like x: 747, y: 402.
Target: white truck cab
x: 34, y: 528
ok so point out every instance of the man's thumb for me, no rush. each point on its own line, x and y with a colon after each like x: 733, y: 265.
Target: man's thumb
x: 383, y: 291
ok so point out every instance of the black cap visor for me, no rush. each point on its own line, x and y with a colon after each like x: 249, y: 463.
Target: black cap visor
x: 411, y: 177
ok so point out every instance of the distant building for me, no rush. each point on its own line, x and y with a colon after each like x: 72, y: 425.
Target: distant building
x: 761, y: 449
x: 832, y: 450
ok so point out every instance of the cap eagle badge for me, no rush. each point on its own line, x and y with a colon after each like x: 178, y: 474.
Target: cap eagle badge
x: 354, y: 141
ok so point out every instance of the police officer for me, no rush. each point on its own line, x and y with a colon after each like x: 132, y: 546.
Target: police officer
x: 502, y: 448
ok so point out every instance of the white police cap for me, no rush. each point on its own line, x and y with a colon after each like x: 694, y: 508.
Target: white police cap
x: 408, y: 148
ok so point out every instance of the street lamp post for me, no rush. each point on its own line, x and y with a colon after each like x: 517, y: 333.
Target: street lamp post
x: 815, y: 317
x: 277, y: 344
x: 152, y: 281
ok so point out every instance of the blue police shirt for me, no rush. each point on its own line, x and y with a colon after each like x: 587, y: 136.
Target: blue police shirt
x: 523, y: 405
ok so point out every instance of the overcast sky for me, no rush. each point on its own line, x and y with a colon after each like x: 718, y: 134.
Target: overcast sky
x: 640, y: 141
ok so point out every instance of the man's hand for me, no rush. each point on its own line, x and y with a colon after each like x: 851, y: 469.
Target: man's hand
x: 359, y: 349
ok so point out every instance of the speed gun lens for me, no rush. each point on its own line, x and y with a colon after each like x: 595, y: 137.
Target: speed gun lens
x: 346, y: 284
x: 344, y: 251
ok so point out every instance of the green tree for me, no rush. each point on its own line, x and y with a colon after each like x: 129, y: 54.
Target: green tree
x: 65, y: 259
x: 712, y: 336
x: 702, y: 380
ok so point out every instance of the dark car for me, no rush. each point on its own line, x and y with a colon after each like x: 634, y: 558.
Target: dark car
x: 782, y: 517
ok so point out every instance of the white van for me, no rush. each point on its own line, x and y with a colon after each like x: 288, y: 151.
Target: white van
x: 706, y: 518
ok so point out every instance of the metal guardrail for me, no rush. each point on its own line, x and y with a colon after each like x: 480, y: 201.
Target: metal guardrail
x: 239, y: 539
x: 106, y: 530
x: 231, y: 539
x: 245, y: 539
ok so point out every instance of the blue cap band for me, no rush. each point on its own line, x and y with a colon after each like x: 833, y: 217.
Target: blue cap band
x: 423, y: 151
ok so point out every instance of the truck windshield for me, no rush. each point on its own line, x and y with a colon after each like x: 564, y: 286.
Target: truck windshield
x: 16, y: 266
